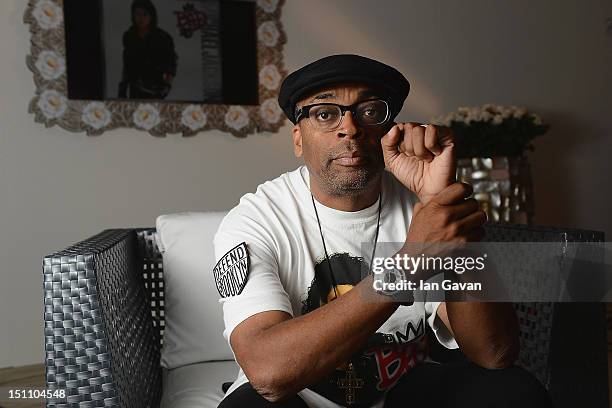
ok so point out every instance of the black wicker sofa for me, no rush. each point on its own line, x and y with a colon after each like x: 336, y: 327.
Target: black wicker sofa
x: 104, y: 324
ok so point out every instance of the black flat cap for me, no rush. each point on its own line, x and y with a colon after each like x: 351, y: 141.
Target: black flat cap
x: 338, y: 69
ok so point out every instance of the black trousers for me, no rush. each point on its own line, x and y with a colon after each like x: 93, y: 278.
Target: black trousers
x: 455, y: 385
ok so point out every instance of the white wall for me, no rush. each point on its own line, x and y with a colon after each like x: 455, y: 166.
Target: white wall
x: 57, y: 188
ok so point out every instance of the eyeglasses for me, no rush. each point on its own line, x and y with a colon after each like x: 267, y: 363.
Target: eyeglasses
x: 328, y: 116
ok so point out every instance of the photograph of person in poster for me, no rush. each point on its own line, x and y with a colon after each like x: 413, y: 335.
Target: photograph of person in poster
x: 162, y: 50
x: 149, y: 57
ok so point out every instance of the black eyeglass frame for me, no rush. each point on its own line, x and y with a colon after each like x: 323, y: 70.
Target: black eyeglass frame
x: 304, y: 112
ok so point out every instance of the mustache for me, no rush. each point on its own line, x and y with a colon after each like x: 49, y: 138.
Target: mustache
x: 350, y: 149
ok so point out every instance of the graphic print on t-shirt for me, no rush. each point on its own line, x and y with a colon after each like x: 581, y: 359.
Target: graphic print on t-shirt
x: 232, y: 271
x: 346, y: 270
x: 386, y: 356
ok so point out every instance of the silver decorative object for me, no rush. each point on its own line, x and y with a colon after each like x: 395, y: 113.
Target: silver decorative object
x: 502, y: 185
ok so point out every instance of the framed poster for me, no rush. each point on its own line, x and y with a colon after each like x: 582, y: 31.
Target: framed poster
x: 163, y: 66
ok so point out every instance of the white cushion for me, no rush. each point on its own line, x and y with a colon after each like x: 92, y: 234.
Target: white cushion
x: 194, y: 318
x: 197, y: 385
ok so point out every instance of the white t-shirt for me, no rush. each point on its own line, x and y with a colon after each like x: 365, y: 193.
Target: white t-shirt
x: 288, y: 271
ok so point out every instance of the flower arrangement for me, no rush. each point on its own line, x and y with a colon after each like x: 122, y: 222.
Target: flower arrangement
x: 491, y: 130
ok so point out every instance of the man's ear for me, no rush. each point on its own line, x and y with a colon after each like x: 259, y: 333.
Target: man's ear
x: 297, y: 140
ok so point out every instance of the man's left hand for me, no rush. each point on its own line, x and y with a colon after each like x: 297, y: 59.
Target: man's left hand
x: 421, y: 158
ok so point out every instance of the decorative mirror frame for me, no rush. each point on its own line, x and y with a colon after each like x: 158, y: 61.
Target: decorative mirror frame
x: 51, y: 106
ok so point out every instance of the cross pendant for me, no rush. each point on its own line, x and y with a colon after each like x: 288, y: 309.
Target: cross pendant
x: 350, y: 383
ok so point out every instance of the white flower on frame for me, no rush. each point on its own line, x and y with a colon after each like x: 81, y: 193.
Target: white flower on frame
x: 48, y: 15
x: 96, y: 115
x: 146, y: 116
x: 52, y: 104
x: 193, y: 117
x: 236, y: 117
x: 269, y: 6
x: 50, y: 65
x: 269, y: 77
x: 268, y: 34
x: 270, y: 111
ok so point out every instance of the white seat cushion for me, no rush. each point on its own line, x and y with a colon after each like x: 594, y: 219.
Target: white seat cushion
x: 194, y: 318
x: 197, y: 385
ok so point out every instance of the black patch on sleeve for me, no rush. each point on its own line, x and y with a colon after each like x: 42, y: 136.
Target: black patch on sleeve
x: 232, y: 271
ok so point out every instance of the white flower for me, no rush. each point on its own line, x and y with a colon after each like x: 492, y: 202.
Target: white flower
x: 440, y: 120
x: 268, y: 5
x: 498, y: 119
x: 536, y: 119
x: 270, y: 111
x: 48, y: 14
x: 506, y: 112
x: 50, y: 65
x: 455, y: 117
x: 146, y: 116
x: 52, y: 104
x: 96, y: 115
x: 485, y: 116
x: 268, y: 34
x: 489, y: 107
x: 236, y: 117
x: 519, y: 113
x: 473, y: 115
x: 488, y: 113
x: 193, y: 117
x: 269, y: 77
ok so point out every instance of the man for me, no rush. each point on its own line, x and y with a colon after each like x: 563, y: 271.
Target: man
x: 302, y: 317
x: 149, y: 58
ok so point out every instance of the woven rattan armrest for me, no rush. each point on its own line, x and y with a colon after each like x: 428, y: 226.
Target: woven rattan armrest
x: 100, y: 342
x: 563, y: 344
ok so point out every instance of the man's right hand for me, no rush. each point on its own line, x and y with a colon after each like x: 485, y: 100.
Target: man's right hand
x: 449, y: 217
